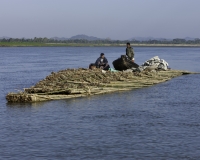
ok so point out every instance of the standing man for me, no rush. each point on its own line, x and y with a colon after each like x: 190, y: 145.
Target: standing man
x: 129, y: 52
x: 102, y: 62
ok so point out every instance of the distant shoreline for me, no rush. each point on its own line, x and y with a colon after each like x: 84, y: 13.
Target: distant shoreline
x: 7, y: 44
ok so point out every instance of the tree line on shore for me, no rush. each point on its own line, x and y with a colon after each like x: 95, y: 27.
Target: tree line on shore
x: 102, y: 41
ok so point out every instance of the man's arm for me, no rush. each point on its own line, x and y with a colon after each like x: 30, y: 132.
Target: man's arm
x: 105, y: 61
x: 127, y: 52
x: 97, y: 63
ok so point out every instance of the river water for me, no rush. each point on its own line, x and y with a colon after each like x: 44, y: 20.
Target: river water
x: 158, y: 122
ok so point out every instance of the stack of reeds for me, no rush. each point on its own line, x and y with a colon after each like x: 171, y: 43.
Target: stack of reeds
x: 81, y: 82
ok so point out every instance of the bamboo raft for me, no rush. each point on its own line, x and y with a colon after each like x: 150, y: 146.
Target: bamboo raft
x: 72, y: 83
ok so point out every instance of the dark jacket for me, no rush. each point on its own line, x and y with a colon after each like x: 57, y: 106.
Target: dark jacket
x: 100, y: 63
x: 130, y: 53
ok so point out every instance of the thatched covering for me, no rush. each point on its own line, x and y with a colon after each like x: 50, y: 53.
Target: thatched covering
x: 72, y: 83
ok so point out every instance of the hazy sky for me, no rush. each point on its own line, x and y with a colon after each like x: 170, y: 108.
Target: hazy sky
x: 117, y: 19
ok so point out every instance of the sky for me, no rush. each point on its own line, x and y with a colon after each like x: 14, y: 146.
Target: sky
x: 115, y: 19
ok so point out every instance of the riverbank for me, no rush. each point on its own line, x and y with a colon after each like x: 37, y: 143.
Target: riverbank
x: 37, y: 44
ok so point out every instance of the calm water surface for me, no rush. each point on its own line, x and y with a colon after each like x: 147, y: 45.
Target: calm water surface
x: 159, y: 122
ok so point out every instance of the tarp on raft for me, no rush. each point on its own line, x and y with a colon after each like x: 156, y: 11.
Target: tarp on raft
x: 155, y: 63
x: 123, y: 63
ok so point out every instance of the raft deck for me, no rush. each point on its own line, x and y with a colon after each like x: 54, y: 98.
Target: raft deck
x: 72, y: 83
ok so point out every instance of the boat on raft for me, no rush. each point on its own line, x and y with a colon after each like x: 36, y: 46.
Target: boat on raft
x: 72, y: 83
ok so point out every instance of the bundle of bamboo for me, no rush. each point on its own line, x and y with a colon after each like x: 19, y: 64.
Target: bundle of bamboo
x: 81, y: 82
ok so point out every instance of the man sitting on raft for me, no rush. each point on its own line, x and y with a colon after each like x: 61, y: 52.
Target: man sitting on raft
x: 102, y: 62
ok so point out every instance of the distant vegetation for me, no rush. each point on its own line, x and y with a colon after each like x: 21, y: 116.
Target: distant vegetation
x: 84, y: 42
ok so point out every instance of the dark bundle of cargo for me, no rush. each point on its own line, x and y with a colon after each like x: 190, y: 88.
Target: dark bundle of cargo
x: 123, y: 63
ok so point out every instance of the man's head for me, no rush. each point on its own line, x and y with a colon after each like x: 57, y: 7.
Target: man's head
x: 128, y: 44
x: 102, y: 55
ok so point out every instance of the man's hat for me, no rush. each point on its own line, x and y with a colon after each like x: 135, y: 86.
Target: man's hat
x: 102, y: 54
